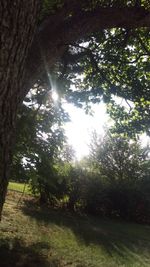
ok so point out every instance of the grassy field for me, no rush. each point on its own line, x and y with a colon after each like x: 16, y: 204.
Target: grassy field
x: 19, y: 187
x: 37, y: 237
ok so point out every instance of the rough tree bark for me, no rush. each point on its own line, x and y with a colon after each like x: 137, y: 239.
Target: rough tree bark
x: 17, y: 25
x: 21, y: 65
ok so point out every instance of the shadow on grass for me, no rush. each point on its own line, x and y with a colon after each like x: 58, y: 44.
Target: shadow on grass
x: 126, y: 241
x: 14, y: 253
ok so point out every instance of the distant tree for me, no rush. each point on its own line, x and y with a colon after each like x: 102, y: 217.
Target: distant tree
x: 67, y: 154
x: 117, y: 158
x: 122, y: 166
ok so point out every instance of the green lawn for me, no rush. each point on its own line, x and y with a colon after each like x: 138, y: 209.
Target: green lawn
x: 39, y: 237
x: 19, y: 187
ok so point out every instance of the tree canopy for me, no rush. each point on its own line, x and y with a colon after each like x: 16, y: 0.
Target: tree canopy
x: 97, y: 50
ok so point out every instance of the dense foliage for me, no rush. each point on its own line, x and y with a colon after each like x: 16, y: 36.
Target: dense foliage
x: 40, y: 139
x: 115, y: 63
x: 113, y: 181
x: 96, y: 62
x: 106, y: 64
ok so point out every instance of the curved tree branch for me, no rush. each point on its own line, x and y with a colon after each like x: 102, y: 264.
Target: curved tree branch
x: 49, y: 42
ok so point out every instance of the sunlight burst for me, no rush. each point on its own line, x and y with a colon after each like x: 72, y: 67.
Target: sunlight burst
x: 55, y: 95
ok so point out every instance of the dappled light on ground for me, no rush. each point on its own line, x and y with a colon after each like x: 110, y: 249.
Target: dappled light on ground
x: 125, y: 243
x: 33, y: 236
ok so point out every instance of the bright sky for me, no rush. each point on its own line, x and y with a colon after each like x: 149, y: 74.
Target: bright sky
x: 81, y: 126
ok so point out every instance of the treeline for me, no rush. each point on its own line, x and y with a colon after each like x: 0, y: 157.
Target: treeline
x: 114, y: 181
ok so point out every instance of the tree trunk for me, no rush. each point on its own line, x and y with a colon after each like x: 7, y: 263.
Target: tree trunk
x: 17, y: 27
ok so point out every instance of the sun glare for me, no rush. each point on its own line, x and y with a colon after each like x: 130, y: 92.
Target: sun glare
x: 55, y: 95
x: 79, y: 129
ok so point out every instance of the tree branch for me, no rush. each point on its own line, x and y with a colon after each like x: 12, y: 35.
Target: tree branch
x: 52, y: 36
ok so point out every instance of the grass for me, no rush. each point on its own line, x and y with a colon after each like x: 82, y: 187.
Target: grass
x: 19, y: 187
x: 38, y: 237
